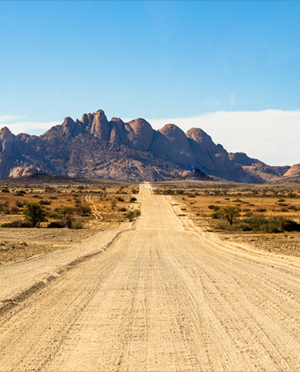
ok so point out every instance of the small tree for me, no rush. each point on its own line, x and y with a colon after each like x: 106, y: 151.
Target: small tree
x: 229, y: 212
x: 34, y: 213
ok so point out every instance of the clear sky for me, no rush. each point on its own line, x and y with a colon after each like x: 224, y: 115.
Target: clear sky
x: 153, y: 59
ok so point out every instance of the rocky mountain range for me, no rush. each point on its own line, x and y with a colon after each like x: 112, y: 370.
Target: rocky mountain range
x: 133, y: 151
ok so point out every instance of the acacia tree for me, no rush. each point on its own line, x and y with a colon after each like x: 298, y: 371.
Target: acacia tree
x: 229, y: 212
x: 34, y: 213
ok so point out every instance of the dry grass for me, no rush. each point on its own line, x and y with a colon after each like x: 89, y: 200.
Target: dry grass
x: 200, y: 200
x: 108, y: 203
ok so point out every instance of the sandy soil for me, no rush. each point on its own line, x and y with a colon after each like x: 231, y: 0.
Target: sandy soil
x: 21, y: 244
x: 163, y: 296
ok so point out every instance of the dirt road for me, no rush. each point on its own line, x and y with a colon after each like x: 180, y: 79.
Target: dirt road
x: 162, y: 297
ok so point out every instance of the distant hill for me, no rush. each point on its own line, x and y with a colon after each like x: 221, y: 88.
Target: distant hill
x: 94, y: 147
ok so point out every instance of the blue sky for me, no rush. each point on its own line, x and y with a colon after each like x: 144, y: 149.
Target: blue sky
x: 156, y: 59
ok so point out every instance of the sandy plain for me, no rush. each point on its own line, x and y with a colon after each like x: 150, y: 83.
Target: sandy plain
x: 159, y: 294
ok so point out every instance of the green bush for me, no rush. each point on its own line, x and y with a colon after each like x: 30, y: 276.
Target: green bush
x: 132, y: 199
x: 17, y: 224
x: 216, y: 215
x: 34, y: 213
x: 131, y: 215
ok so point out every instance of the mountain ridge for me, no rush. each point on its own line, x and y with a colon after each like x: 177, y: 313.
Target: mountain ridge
x: 132, y: 151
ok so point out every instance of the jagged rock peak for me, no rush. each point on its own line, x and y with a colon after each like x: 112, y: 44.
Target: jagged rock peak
x: 100, y: 126
x: 140, y: 134
x: 171, y: 130
x: 5, y: 133
x: 198, y: 135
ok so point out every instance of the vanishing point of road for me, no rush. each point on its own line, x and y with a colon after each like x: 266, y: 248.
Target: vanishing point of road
x: 160, y: 297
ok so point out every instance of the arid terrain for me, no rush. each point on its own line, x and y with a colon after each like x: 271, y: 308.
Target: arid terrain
x: 165, y: 292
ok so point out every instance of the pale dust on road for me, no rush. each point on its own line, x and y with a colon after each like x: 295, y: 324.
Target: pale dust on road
x: 162, y: 298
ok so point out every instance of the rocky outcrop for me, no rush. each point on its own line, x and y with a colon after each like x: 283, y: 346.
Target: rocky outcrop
x: 294, y: 171
x: 133, y: 151
x: 257, y: 168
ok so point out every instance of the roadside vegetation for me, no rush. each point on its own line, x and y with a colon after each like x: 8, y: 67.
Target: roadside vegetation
x: 73, y: 207
x: 36, y: 219
x: 263, y: 215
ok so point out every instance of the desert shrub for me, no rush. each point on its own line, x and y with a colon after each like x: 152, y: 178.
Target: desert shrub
x: 17, y: 224
x: 260, y: 209
x: 179, y: 192
x: 270, y: 227
x: 34, y: 213
x: 229, y: 212
x: 72, y: 223
x: 242, y: 226
x: 84, y: 209
x: 227, y: 198
x: 64, y: 210
x: 119, y: 198
x: 215, y: 215
x: 248, y: 214
x: 291, y: 195
x: 56, y: 224
x: 131, y: 215
x: 53, y: 214
x: 246, y: 210
x: 191, y: 196
x: 53, y: 197
x: 122, y: 209
x: 5, y: 189
x: 113, y: 204
x: 293, y: 207
x: 255, y: 222
x: 283, y: 209
x: 132, y: 199
x: 212, y: 207
x: 222, y: 225
x: 14, y: 210
x: 290, y: 225
x: 37, y: 196
x: 281, y: 200
x: 44, y: 202
x: 20, y: 203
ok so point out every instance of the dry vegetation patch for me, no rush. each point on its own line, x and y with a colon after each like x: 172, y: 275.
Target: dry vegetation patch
x: 267, y: 217
x: 73, y: 213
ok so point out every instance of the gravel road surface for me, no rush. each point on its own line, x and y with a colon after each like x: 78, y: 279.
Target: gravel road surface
x: 160, y: 297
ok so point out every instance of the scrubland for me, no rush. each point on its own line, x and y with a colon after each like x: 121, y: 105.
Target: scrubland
x: 72, y: 213
x: 264, y: 216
